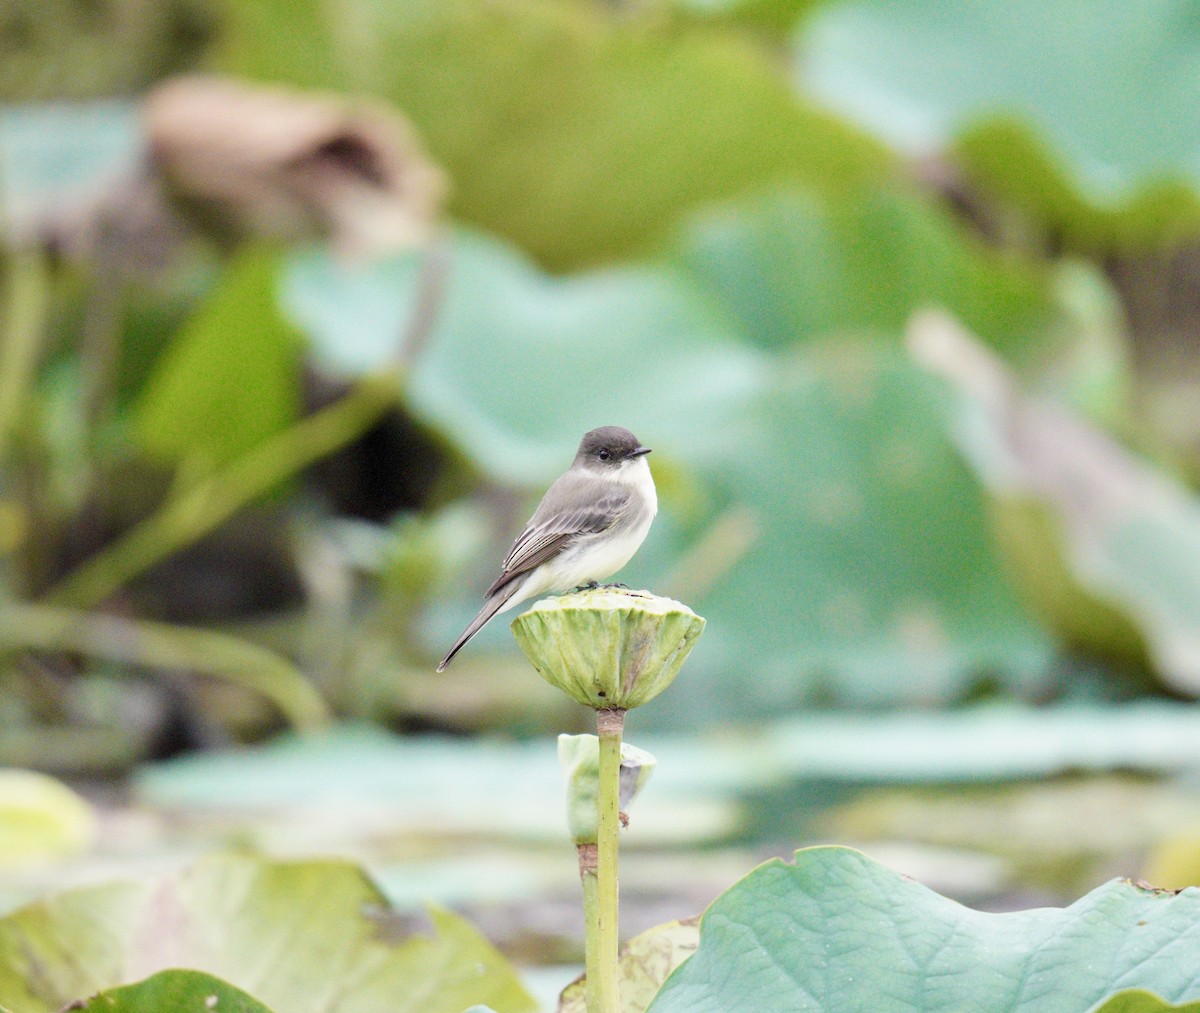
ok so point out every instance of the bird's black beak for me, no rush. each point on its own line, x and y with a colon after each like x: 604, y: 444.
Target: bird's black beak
x: 640, y: 451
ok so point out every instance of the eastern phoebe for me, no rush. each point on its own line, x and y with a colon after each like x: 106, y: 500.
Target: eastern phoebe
x: 588, y: 525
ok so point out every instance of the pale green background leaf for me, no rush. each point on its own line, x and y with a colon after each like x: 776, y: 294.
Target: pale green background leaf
x: 794, y: 266
x: 521, y: 364
x: 872, y: 577
x: 237, y: 917
x: 870, y: 543
x: 1095, y: 102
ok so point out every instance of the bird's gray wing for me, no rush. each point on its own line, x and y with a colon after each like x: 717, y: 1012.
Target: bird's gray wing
x: 566, y: 511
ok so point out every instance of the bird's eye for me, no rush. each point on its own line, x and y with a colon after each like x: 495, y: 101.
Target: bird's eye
x: 604, y: 455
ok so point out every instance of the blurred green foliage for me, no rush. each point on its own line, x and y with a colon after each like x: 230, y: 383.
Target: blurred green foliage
x: 1082, y: 114
x: 249, y: 479
x: 709, y: 221
x: 230, y: 379
x: 566, y: 129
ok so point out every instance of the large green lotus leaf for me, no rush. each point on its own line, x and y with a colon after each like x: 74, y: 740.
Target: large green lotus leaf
x: 177, y: 991
x: 520, y: 364
x: 576, y: 134
x: 307, y: 937
x: 838, y: 931
x: 793, y: 266
x: 1087, y: 112
x: 872, y: 577
x: 230, y: 378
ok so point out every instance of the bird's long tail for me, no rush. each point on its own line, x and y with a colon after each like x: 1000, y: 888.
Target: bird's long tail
x: 493, y: 605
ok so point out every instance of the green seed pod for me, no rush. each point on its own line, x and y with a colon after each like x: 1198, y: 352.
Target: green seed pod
x: 608, y: 648
x: 579, y: 756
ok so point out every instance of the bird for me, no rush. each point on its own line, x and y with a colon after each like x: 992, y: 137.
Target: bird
x: 591, y: 521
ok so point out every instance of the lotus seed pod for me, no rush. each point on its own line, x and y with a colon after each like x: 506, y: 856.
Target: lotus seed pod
x: 579, y: 756
x: 608, y: 648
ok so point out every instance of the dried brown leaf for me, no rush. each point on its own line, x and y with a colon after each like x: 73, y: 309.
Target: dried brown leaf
x: 283, y: 163
x: 1129, y: 532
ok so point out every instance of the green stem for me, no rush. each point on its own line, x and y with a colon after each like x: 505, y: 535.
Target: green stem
x: 27, y: 290
x: 195, y: 512
x: 609, y: 726
x: 591, y: 921
x: 42, y: 627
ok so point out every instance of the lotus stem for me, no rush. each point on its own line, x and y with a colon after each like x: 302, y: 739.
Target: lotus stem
x: 610, y: 650
x: 610, y: 724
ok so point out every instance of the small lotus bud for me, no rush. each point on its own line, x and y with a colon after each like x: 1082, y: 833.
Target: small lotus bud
x: 580, y: 759
x: 608, y: 648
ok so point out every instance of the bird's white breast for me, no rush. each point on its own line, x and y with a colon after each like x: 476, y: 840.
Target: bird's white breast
x: 599, y: 556
x: 636, y: 475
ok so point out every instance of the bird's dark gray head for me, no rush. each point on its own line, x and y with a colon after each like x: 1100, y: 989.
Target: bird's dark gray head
x: 608, y: 447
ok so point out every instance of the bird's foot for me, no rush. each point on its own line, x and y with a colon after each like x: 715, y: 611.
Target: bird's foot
x: 591, y: 585
x: 623, y: 587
